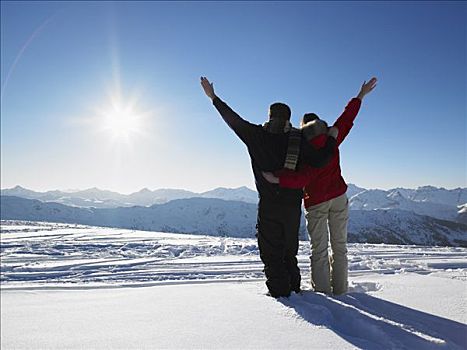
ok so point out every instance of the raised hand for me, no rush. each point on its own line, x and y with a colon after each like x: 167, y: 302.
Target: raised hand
x: 208, y: 87
x: 367, y: 88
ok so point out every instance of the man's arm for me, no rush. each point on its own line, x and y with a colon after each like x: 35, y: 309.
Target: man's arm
x: 241, y: 127
x: 297, y: 179
x: 346, y: 119
x: 291, y: 179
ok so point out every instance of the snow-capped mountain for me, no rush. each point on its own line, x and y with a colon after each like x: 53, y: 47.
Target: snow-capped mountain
x: 462, y: 214
x: 438, y: 195
x: 236, y: 219
x: 92, y: 197
x: 22, y: 192
x: 352, y: 190
x: 404, y: 227
x: 97, y: 198
x: 243, y: 194
x: 193, y: 215
x: 436, y: 202
x: 165, y: 195
x: 427, y: 200
x: 94, y: 193
x: 378, y: 199
x: 146, y: 197
x: 426, y: 215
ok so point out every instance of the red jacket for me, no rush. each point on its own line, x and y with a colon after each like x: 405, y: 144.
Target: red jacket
x: 323, y: 184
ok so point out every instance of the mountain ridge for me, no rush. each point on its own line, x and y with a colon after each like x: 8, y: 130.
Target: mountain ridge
x: 218, y: 217
x: 95, y: 197
x: 428, y: 200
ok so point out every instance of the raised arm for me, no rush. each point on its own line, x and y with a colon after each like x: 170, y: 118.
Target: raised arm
x: 241, y: 127
x: 346, y: 119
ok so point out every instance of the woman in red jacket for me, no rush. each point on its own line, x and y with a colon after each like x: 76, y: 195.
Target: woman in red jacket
x: 325, y: 201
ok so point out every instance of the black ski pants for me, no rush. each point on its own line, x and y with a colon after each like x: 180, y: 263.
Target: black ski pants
x: 277, y: 231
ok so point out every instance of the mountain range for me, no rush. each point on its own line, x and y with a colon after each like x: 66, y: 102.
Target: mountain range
x: 426, y: 215
x: 94, y: 197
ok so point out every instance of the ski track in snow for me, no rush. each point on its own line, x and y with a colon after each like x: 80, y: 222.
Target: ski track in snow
x: 41, y: 255
x: 45, y: 256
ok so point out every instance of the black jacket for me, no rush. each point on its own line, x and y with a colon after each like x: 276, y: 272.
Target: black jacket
x: 268, y: 152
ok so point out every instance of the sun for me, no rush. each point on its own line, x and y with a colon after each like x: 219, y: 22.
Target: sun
x: 121, y: 122
x: 120, y: 119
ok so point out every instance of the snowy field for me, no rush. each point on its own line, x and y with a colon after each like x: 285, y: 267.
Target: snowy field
x: 70, y: 286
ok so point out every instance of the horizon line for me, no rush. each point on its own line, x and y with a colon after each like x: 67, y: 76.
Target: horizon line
x: 216, y: 188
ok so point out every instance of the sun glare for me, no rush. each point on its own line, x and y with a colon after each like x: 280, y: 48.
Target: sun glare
x: 122, y: 121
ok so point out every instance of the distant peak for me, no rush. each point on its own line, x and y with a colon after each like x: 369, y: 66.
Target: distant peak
x: 230, y: 189
x: 353, y: 185
x: 429, y: 188
x: 20, y: 189
x: 394, y: 194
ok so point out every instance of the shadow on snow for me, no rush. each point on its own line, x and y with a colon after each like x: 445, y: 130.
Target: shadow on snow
x: 372, y: 323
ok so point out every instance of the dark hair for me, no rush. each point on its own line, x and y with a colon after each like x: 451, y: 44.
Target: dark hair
x: 280, y: 111
x: 308, y: 117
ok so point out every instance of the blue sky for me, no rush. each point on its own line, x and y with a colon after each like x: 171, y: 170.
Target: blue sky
x: 63, y: 63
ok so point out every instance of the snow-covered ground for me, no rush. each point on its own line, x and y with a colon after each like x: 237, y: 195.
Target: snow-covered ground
x: 73, y: 286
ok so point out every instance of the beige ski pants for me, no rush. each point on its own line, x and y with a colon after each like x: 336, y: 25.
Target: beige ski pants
x: 329, y: 270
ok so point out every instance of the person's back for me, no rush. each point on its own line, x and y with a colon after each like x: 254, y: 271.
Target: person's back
x: 327, y: 182
x: 324, y: 183
x: 271, y: 146
x: 326, y: 204
x: 279, y: 212
x: 268, y: 146
x: 269, y: 151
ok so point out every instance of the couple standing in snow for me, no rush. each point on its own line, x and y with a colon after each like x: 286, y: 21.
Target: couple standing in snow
x: 290, y: 165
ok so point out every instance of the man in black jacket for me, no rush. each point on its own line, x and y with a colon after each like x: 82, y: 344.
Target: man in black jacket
x: 271, y: 147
